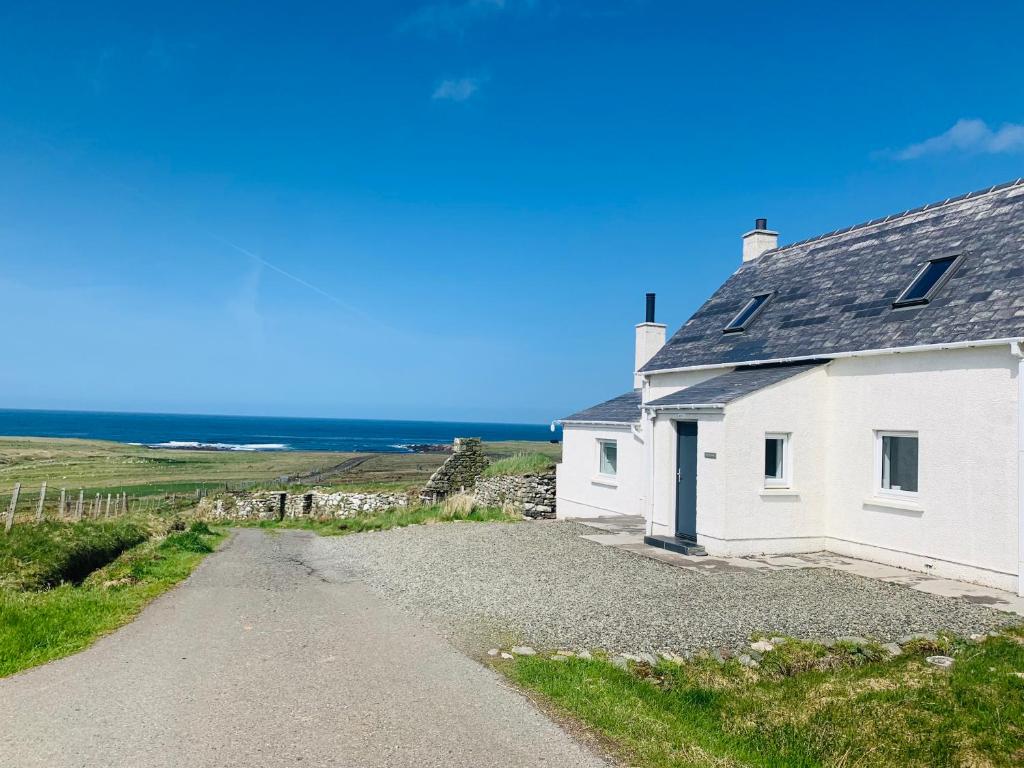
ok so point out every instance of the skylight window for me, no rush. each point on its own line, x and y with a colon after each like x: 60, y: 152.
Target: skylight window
x: 747, y: 315
x: 929, y: 280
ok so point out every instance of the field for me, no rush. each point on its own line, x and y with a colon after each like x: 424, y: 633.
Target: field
x: 105, y: 467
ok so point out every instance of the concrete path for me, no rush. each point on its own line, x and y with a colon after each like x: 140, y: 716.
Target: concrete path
x: 627, y: 532
x: 264, y: 659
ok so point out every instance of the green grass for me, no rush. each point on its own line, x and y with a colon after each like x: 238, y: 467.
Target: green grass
x: 39, y: 626
x: 807, y: 707
x: 520, y: 464
x: 396, y: 518
x: 40, y: 556
x: 105, y: 467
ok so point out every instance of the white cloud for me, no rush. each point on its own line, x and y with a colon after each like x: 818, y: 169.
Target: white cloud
x: 969, y: 136
x: 456, y: 90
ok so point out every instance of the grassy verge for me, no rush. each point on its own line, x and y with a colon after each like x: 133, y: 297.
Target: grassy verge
x: 796, y: 711
x: 395, y: 518
x: 520, y: 464
x: 39, y: 626
x: 40, y: 556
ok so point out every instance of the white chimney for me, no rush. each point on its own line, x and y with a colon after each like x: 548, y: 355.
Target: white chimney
x: 758, y: 240
x: 650, y: 337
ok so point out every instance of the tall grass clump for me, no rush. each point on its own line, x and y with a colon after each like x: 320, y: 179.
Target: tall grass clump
x: 520, y: 464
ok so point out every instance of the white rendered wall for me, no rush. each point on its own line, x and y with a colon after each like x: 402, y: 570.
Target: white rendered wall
x: 963, y: 404
x: 756, y: 519
x: 662, y: 384
x: 582, y: 492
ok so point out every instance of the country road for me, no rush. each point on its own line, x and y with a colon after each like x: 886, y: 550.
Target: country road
x: 263, y: 658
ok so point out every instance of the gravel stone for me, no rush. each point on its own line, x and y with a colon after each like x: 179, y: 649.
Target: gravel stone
x: 544, y: 585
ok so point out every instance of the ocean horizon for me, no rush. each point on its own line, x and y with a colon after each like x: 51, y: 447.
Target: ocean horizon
x: 258, y: 433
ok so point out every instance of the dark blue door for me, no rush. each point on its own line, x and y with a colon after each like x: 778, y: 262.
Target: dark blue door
x: 686, y: 479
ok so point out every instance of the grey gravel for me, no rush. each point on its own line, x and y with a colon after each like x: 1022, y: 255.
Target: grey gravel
x: 541, y: 584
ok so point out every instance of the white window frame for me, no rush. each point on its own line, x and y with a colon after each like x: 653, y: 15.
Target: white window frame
x: 786, y: 481
x: 601, y: 443
x: 890, y: 492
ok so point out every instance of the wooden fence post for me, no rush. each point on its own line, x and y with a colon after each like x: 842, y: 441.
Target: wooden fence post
x: 80, y: 507
x: 62, y: 510
x: 97, y: 506
x: 12, y: 507
x: 108, y: 505
x: 42, y: 500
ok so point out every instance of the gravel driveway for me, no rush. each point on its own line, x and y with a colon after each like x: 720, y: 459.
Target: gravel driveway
x: 541, y: 584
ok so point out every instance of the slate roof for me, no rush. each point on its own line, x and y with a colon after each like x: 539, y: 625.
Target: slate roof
x: 733, y: 385
x: 623, y: 409
x: 834, y: 293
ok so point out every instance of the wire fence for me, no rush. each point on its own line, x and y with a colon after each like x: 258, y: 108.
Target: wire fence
x: 21, y: 505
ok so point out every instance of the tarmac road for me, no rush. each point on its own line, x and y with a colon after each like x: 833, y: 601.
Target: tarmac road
x: 262, y: 659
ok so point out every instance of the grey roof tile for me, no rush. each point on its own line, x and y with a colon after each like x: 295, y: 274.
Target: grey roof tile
x: 734, y: 385
x: 834, y: 293
x: 623, y: 409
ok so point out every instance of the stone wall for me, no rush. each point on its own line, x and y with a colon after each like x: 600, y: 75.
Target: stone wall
x: 270, y: 505
x: 458, y: 473
x: 533, y: 495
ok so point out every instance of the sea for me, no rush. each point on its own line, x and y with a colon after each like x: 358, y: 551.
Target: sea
x: 259, y: 433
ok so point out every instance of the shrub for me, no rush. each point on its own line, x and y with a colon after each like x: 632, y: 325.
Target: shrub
x: 201, y: 528
x: 520, y: 464
x: 190, y: 541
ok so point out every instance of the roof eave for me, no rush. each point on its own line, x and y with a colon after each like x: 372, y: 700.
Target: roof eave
x: 594, y: 423
x: 837, y: 355
x: 686, y: 407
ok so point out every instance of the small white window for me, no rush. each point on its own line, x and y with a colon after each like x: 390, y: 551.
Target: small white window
x: 896, y: 462
x: 776, y: 460
x: 607, y: 458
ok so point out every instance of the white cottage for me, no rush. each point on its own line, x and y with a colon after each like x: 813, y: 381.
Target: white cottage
x: 861, y: 392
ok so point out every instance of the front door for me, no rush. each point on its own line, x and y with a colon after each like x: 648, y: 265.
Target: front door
x: 686, y: 479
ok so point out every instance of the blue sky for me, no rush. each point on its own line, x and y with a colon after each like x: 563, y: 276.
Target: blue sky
x: 444, y: 210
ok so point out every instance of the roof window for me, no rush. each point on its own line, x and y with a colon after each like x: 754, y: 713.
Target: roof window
x: 928, y: 281
x: 748, y: 314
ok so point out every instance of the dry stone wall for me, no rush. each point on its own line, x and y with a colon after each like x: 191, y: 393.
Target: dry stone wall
x: 533, y: 495
x: 458, y: 473
x: 267, y: 505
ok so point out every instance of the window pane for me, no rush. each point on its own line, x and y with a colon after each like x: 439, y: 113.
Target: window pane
x: 931, y: 275
x: 773, y: 455
x: 899, y: 463
x: 748, y: 311
x: 609, y: 458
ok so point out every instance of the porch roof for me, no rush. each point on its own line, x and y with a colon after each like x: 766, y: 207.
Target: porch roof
x: 731, y: 386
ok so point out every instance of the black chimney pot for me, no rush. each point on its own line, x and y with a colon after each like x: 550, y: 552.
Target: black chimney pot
x: 650, y: 308
x: 761, y: 224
